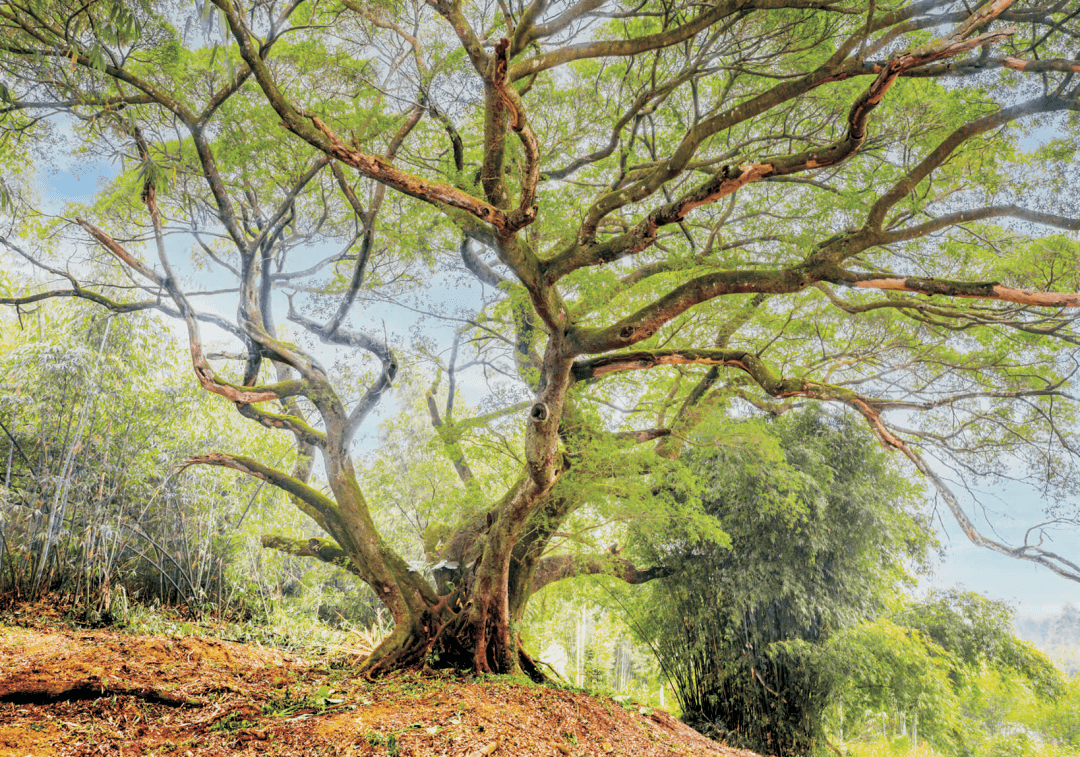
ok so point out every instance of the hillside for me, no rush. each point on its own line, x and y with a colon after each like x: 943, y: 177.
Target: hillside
x: 1057, y: 635
x: 81, y: 692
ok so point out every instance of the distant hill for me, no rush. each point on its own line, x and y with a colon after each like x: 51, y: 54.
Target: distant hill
x: 1057, y: 635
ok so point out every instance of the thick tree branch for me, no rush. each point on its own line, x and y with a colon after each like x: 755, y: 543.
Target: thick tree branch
x: 367, y: 219
x: 990, y: 290
x: 320, y: 507
x: 757, y: 369
x: 643, y: 435
x: 359, y: 340
x: 324, y: 549
x: 477, y: 267
x: 876, y: 217
x: 552, y: 569
x: 917, y: 231
x: 667, y: 38
x: 203, y: 371
x: 286, y: 421
x: 525, y: 213
x: 647, y: 320
x: 731, y: 179
x: 314, y: 131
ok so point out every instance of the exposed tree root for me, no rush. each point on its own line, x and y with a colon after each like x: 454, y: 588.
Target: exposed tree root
x: 47, y: 692
x: 444, y: 646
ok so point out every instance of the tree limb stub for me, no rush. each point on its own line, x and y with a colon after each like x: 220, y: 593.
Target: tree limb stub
x: 1018, y: 64
x: 121, y: 254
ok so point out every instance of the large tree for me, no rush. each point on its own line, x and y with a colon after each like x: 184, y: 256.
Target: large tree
x: 668, y: 210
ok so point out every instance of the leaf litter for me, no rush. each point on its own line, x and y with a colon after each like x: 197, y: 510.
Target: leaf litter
x: 76, y: 692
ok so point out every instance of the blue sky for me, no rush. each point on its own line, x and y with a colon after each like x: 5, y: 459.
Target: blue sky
x: 1032, y: 589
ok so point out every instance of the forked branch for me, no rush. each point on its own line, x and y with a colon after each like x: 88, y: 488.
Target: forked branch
x: 730, y: 179
x: 1062, y: 566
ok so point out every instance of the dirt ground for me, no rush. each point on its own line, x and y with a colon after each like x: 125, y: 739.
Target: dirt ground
x: 99, y: 692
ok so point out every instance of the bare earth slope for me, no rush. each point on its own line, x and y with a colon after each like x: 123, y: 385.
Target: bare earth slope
x: 71, y: 692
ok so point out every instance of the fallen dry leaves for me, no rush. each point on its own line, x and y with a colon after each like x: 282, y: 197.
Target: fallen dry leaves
x: 98, y: 692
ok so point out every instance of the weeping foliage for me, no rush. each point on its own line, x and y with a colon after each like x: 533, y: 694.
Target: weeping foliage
x: 820, y: 527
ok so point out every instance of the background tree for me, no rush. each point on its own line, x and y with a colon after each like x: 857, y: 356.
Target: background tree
x: 942, y: 668
x: 1058, y: 634
x: 771, y: 200
x: 821, y: 526
x: 87, y: 507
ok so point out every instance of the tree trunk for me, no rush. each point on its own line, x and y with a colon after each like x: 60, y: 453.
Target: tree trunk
x: 473, y: 637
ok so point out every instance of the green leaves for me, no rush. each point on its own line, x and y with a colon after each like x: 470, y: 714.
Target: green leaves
x: 151, y: 174
x: 820, y: 527
x: 979, y: 632
x: 121, y: 23
x: 881, y: 667
x: 101, y: 410
x: 97, y: 58
x: 950, y: 663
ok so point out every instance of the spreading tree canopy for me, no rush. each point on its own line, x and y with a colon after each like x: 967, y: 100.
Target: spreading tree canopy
x: 664, y: 212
